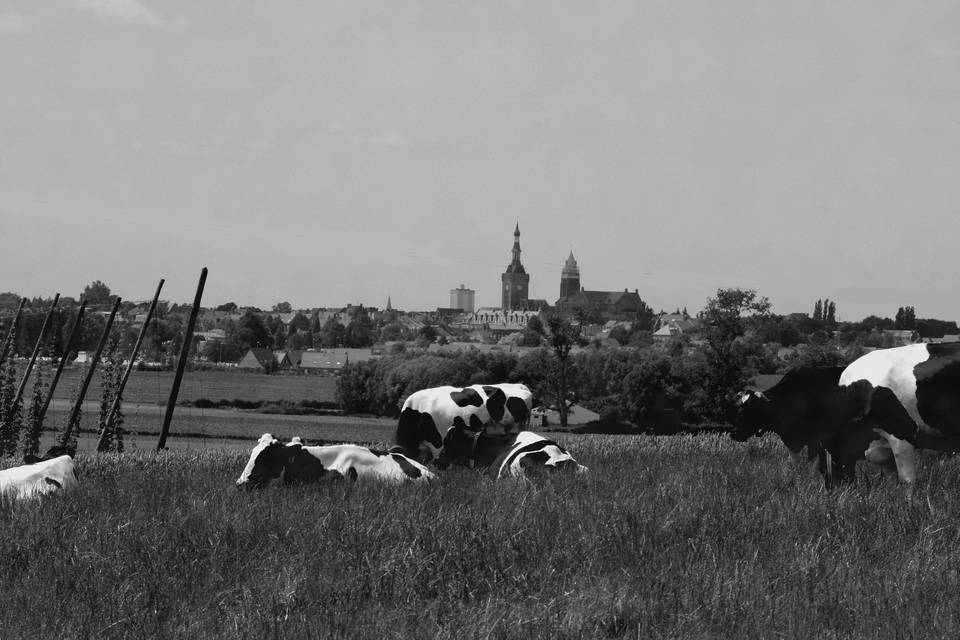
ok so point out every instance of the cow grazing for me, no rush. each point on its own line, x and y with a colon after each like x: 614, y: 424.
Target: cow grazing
x: 295, y: 463
x: 427, y: 414
x: 39, y: 476
x: 514, y: 455
x: 910, y: 397
x: 808, y: 409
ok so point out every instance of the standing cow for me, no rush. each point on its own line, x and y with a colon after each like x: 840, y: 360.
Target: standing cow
x: 809, y: 408
x: 910, y: 397
x: 427, y: 414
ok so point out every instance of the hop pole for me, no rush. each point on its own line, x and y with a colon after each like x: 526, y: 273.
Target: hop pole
x: 86, y: 380
x: 13, y: 329
x: 63, y: 357
x: 181, y: 363
x: 36, y: 351
x: 107, y: 430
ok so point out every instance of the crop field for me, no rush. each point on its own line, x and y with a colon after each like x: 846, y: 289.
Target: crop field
x: 153, y: 387
x: 666, y: 537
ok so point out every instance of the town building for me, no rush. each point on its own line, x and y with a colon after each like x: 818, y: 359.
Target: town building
x: 515, y: 280
x: 462, y: 299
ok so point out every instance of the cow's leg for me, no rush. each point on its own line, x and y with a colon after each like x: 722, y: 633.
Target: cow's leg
x: 880, y: 453
x: 905, y: 457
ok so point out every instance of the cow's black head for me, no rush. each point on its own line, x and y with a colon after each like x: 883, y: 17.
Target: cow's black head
x: 459, y: 444
x: 417, y: 436
x: 753, y: 416
x: 266, y: 463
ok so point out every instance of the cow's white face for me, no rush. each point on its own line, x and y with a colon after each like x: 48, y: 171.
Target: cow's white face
x: 265, y: 463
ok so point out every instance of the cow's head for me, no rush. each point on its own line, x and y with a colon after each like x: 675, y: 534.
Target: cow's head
x: 459, y: 445
x: 417, y: 436
x: 270, y: 460
x: 753, y: 416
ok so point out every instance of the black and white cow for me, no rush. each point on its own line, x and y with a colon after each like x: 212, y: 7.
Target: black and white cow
x: 808, y: 409
x: 427, y: 414
x: 516, y: 455
x: 295, y: 463
x: 910, y: 397
x: 40, y: 476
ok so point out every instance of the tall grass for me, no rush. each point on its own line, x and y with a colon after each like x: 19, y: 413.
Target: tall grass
x: 666, y: 537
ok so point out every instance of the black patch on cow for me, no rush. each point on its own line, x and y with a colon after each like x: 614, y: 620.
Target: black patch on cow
x: 476, y: 423
x: 539, y: 445
x: 943, y: 351
x: 496, y: 403
x: 413, y: 428
x: 303, y: 467
x: 352, y: 474
x: 466, y: 398
x: 53, y: 482
x: 518, y: 409
x: 938, y: 395
x: 537, y: 459
x: 407, y: 467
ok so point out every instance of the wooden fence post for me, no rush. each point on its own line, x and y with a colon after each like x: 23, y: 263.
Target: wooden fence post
x: 63, y: 358
x: 86, y: 381
x: 181, y: 363
x: 13, y: 329
x: 36, y: 351
x: 107, y: 431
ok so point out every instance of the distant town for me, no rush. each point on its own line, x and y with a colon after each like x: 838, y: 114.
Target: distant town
x: 326, y: 339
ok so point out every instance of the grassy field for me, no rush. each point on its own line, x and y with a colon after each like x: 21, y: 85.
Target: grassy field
x: 667, y: 537
x: 153, y: 387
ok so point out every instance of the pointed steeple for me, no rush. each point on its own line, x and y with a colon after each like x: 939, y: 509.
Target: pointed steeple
x: 389, y: 306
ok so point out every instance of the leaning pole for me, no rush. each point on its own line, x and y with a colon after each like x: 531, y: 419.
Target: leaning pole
x: 63, y: 358
x: 13, y: 330
x: 86, y: 380
x: 181, y: 363
x: 36, y: 350
x: 107, y: 431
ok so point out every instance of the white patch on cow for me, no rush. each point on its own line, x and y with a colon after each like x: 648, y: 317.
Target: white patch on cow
x: 39, y: 478
x: 366, y: 464
x: 265, y: 441
x: 893, y: 369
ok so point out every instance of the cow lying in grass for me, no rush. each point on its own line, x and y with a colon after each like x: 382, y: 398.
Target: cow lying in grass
x: 519, y: 455
x: 40, y: 476
x: 293, y: 462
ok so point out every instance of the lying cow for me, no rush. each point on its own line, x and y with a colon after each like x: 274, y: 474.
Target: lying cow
x: 427, y: 414
x: 40, y: 476
x: 295, y: 463
x: 910, y: 397
x: 517, y: 455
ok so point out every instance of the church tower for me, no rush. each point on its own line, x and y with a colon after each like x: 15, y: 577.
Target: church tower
x: 569, y: 278
x: 516, y: 281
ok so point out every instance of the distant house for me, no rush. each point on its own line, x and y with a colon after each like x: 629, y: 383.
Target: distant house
x: 671, y: 325
x: 257, y: 359
x: 283, y: 360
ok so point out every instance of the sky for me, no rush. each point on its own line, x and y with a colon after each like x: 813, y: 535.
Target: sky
x: 331, y: 153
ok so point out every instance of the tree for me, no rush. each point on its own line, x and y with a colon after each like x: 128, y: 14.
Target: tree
x: 97, y: 293
x: 729, y: 350
x: 282, y: 307
x: 906, y: 318
x: 563, y: 337
x: 252, y: 332
x: 229, y: 307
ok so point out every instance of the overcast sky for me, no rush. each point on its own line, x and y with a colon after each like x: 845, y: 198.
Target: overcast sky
x: 326, y: 153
